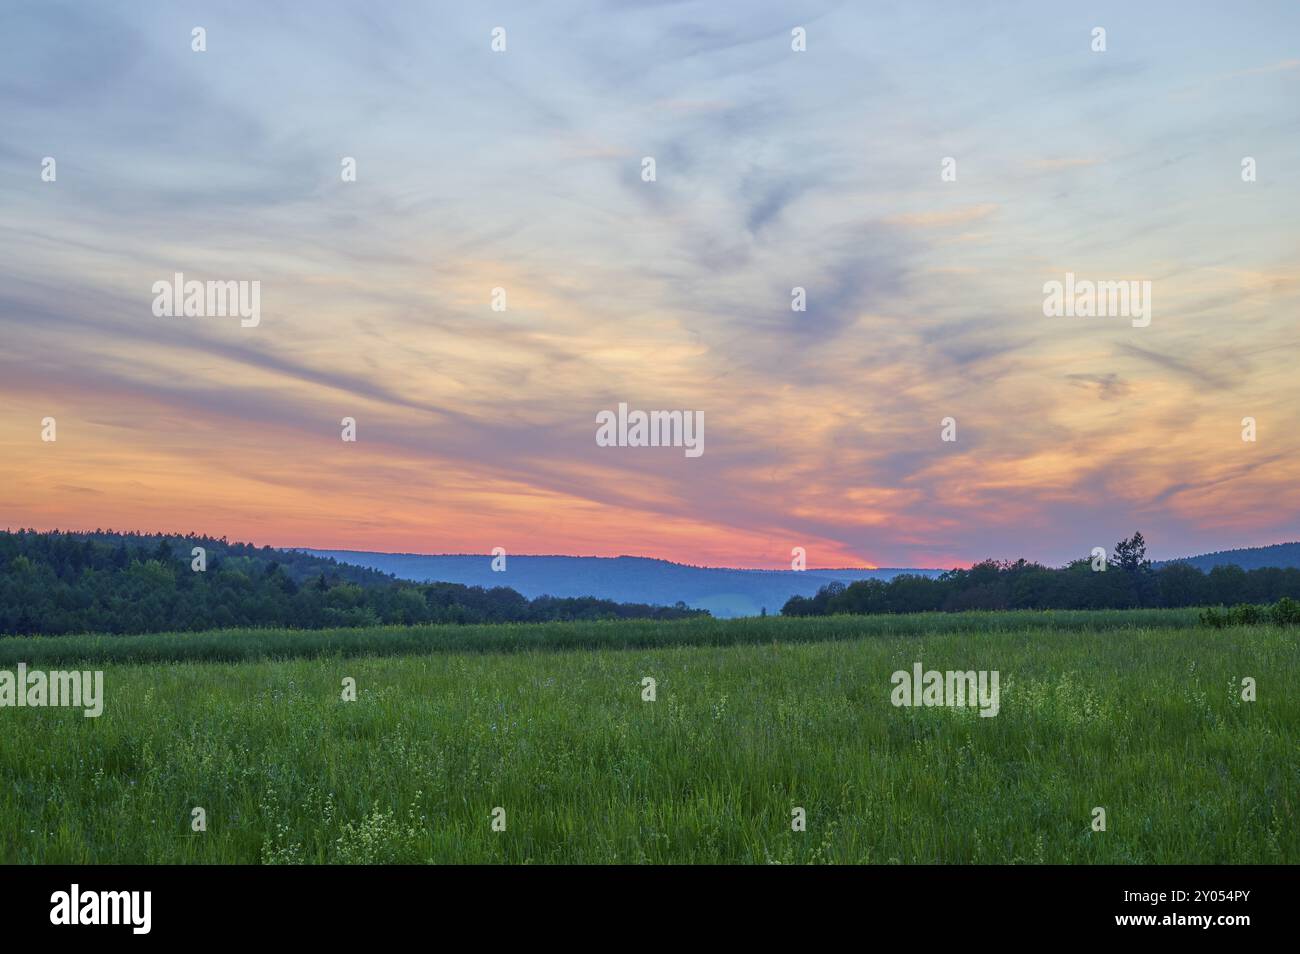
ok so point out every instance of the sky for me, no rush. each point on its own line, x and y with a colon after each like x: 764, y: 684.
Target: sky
x: 522, y: 170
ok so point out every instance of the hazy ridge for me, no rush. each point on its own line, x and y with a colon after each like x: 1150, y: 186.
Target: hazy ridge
x: 724, y: 592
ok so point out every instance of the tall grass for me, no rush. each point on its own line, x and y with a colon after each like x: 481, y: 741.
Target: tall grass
x: 1147, y: 723
x: 237, y: 645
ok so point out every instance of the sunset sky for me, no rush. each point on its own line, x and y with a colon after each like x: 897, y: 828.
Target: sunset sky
x: 775, y: 169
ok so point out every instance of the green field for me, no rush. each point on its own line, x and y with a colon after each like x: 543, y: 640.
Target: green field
x: 1139, y: 713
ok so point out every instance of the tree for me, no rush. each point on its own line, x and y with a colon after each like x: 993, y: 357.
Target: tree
x: 1131, y: 554
x: 1183, y: 585
x: 1131, y: 557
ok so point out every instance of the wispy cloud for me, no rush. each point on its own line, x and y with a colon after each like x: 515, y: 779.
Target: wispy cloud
x: 775, y: 171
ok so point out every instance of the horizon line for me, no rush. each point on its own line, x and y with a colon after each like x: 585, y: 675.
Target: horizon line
x: 621, y: 556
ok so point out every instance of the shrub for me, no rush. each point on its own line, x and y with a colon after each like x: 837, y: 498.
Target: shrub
x: 1286, y: 612
x: 1247, y: 614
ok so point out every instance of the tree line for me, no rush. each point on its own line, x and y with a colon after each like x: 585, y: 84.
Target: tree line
x: 102, y: 581
x: 1128, y: 580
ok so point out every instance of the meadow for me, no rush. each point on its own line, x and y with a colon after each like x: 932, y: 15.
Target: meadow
x: 1140, y: 713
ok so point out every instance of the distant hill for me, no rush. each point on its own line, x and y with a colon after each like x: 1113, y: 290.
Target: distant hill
x: 723, y: 592
x: 1248, y: 558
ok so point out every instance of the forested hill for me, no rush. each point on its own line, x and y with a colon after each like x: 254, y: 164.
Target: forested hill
x: 1282, y: 555
x: 107, y: 582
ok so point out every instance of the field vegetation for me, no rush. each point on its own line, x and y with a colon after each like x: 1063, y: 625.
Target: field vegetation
x: 1139, y: 713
